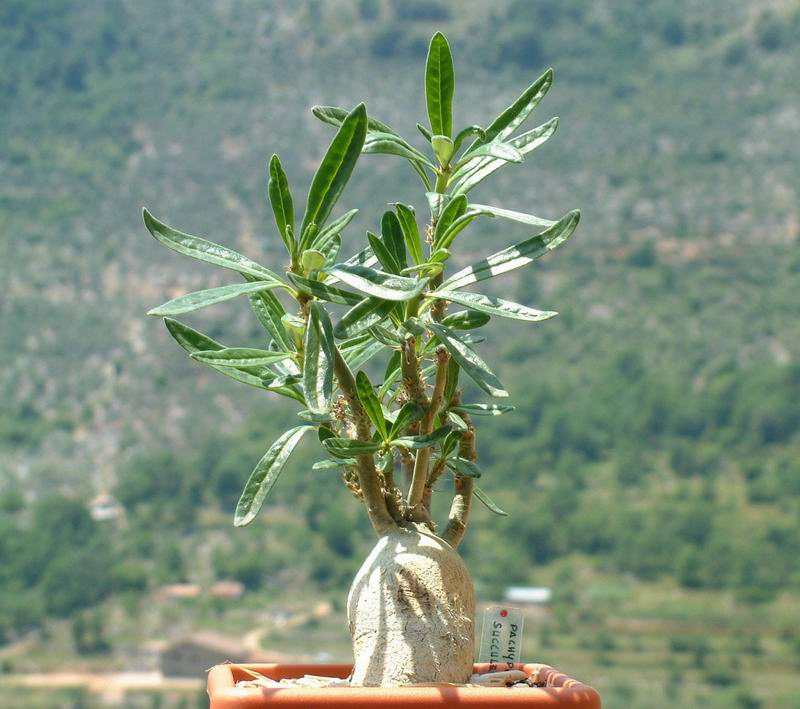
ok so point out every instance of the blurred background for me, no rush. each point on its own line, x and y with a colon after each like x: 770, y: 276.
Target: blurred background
x: 652, y: 468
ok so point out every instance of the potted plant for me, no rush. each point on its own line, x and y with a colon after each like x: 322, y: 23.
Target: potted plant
x: 394, y: 438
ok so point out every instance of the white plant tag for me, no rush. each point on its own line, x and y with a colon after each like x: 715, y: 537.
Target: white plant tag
x: 501, y: 639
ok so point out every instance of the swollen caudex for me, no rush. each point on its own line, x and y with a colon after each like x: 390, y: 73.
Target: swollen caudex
x: 411, y: 610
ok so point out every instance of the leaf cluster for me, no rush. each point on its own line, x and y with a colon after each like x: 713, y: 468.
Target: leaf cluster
x: 327, y: 316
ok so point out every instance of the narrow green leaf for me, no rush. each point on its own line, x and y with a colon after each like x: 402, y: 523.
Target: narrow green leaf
x: 360, y: 354
x: 409, y: 413
x: 280, y: 198
x: 427, y: 440
x: 330, y: 464
x: 323, y: 291
x: 203, y: 298
x: 456, y: 421
x: 388, y: 144
x: 372, y: 407
x: 331, y: 249
x: 452, y: 380
x: 332, y: 115
x: 450, y: 232
x: 346, y: 447
x: 465, y: 320
x: 513, y: 216
x: 515, y: 256
x: 455, y: 208
x: 464, y: 468
x: 408, y: 224
x: 335, y: 169
x: 465, y: 133
x: 439, y: 85
x: 392, y: 233
x: 496, y: 149
x: 493, y: 306
x: 483, y: 409
x: 469, y: 361
x: 315, y: 417
x: 265, y: 474
x: 336, y: 227
x: 362, y: 316
x: 269, y: 311
x: 443, y: 149
x: 366, y: 257
x: 510, y: 119
x: 385, y: 256
x: 488, y: 502
x: 425, y: 132
x: 318, y: 360
x: 203, y: 250
x: 474, y: 172
x: 240, y: 357
x: 194, y: 341
x: 387, y: 286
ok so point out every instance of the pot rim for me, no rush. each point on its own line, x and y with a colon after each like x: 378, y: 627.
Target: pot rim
x: 557, y: 689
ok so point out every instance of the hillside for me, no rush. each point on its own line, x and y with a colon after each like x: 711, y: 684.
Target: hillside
x: 654, y: 452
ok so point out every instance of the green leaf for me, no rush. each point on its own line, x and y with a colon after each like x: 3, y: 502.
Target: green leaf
x: 315, y: 417
x: 203, y: 298
x: 474, y: 172
x: 493, y: 306
x: 329, y: 464
x: 452, y: 381
x: 387, y: 286
x: 361, y: 353
x: 464, y: 468
x: 455, y: 227
x: 330, y: 232
x: 469, y: 361
x: 513, y: 216
x: 347, y: 447
x: 385, y: 256
x: 318, y: 360
x: 455, y: 208
x: 456, y: 421
x: 465, y: 133
x: 515, y: 256
x: 270, y: 312
x: 331, y: 249
x: 362, y: 316
x: 280, y: 198
x: 425, y: 132
x: 410, y: 412
x: 324, y: 292
x: 389, y: 144
x: 366, y: 257
x: 423, y: 441
x: 483, y: 409
x: 440, y: 85
x: 240, y: 357
x: 203, y: 250
x: 194, y: 341
x: 335, y: 169
x: 265, y: 474
x: 372, y: 407
x: 510, y: 119
x: 495, y: 149
x: 466, y: 320
x: 488, y: 502
x: 392, y: 233
x: 332, y: 115
x: 408, y: 224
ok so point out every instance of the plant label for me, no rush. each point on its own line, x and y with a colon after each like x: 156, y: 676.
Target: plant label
x: 501, y: 638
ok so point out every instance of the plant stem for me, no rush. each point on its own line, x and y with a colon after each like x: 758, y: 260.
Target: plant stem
x: 462, y: 500
x: 420, y: 476
x: 367, y: 474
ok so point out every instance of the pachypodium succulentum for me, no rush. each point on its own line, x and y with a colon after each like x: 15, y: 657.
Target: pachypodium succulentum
x: 394, y: 437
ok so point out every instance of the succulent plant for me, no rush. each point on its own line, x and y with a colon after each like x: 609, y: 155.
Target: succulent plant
x: 393, y: 437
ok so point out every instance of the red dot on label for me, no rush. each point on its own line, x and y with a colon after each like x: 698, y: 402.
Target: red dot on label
x: 503, y: 613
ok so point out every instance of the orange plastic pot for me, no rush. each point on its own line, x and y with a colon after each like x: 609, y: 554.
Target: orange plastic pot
x: 553, y: 690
